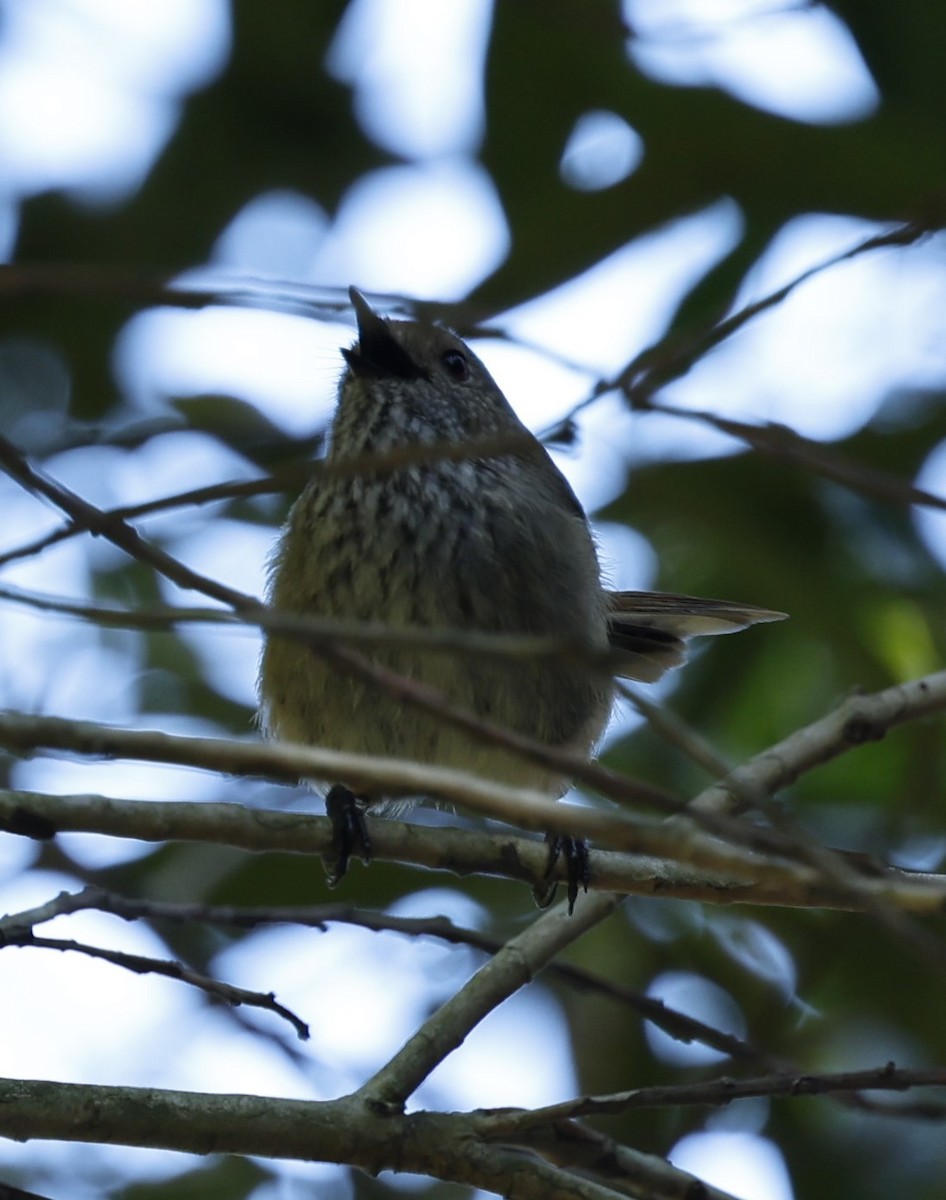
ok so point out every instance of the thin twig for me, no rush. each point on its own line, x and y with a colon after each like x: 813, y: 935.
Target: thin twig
x: 506, y: 1123
x: 368, y: 634
x: 142, y: 964
x: 778, y: 441
x: 18, y: 929
x: 676, y: 1024
x: 289, y: 478
x: 657, y: 366
x: 171, y: 969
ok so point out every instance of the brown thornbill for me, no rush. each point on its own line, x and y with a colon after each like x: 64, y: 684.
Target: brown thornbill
x: 496, y: 544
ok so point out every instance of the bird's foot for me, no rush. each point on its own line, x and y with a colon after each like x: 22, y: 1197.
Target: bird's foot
x: 577, y: 869
x: 346, y: 811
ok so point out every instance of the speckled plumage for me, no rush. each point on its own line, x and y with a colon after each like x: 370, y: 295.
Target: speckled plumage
x: 493, y: 545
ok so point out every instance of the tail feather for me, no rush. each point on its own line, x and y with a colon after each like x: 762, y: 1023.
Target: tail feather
x: 649, y: 630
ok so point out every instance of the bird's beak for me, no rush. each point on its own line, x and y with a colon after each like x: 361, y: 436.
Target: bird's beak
x: 378, y: 353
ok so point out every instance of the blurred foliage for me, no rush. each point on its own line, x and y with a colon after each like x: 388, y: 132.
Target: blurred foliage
x: 865, y: 597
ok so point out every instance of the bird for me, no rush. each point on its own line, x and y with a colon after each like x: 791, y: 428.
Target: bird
x: 493, y: 543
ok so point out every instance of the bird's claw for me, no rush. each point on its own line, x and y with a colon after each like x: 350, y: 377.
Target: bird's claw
x: 577, y: 869
x: 349, y: 831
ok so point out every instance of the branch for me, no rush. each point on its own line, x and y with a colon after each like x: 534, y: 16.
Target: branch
x: 515, y: 806
x: 677, y: 1024
x: 515, y: 965
x: 369, y: 634
x: 411, y: 692
x: 731, y: 878
x: 114, y: 529
x: 779, y: 441
x: 145, y: 965
x: 658, y: 365
x: 830, y: 865
x: 860, y: 719
x: 289, y: 478
x: 18, y: 929
x: 671, y: 358
x: 504, y: 1124
x: 570, y: 765
x: 346, y: 1131
x: 833, y: 867
x: 290, y: 763
x: 642, y: 1176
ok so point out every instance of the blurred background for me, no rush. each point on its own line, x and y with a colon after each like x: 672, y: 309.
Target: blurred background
x: 580, y: 188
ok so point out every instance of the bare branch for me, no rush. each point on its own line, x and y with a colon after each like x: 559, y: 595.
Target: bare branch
x: 359, y: 633
x: 410, y: 691
x: 515, y: 965
x: 16, y: 930
x: 860, y: 719
x: 633, y: 1173
x: 659, y: 364
x: 832, y: 865
x: 778, y: 441
x: 685, y: 868
x: 144, y: 965
x: 14, y: 927
x: 504, y: 1124
x: 517, y: 806
x: 290, y: 478
x: 676, y: 1024
x: 349, y: 1131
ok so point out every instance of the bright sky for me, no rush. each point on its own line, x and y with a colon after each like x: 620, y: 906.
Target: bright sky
x: 90, y: 93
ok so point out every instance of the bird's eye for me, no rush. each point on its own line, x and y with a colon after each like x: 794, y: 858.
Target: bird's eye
x: 456, y: 364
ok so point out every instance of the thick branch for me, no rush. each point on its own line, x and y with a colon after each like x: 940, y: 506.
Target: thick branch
x: 346, y: 1131
x: 516, y: 806
x: 733, y: 877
